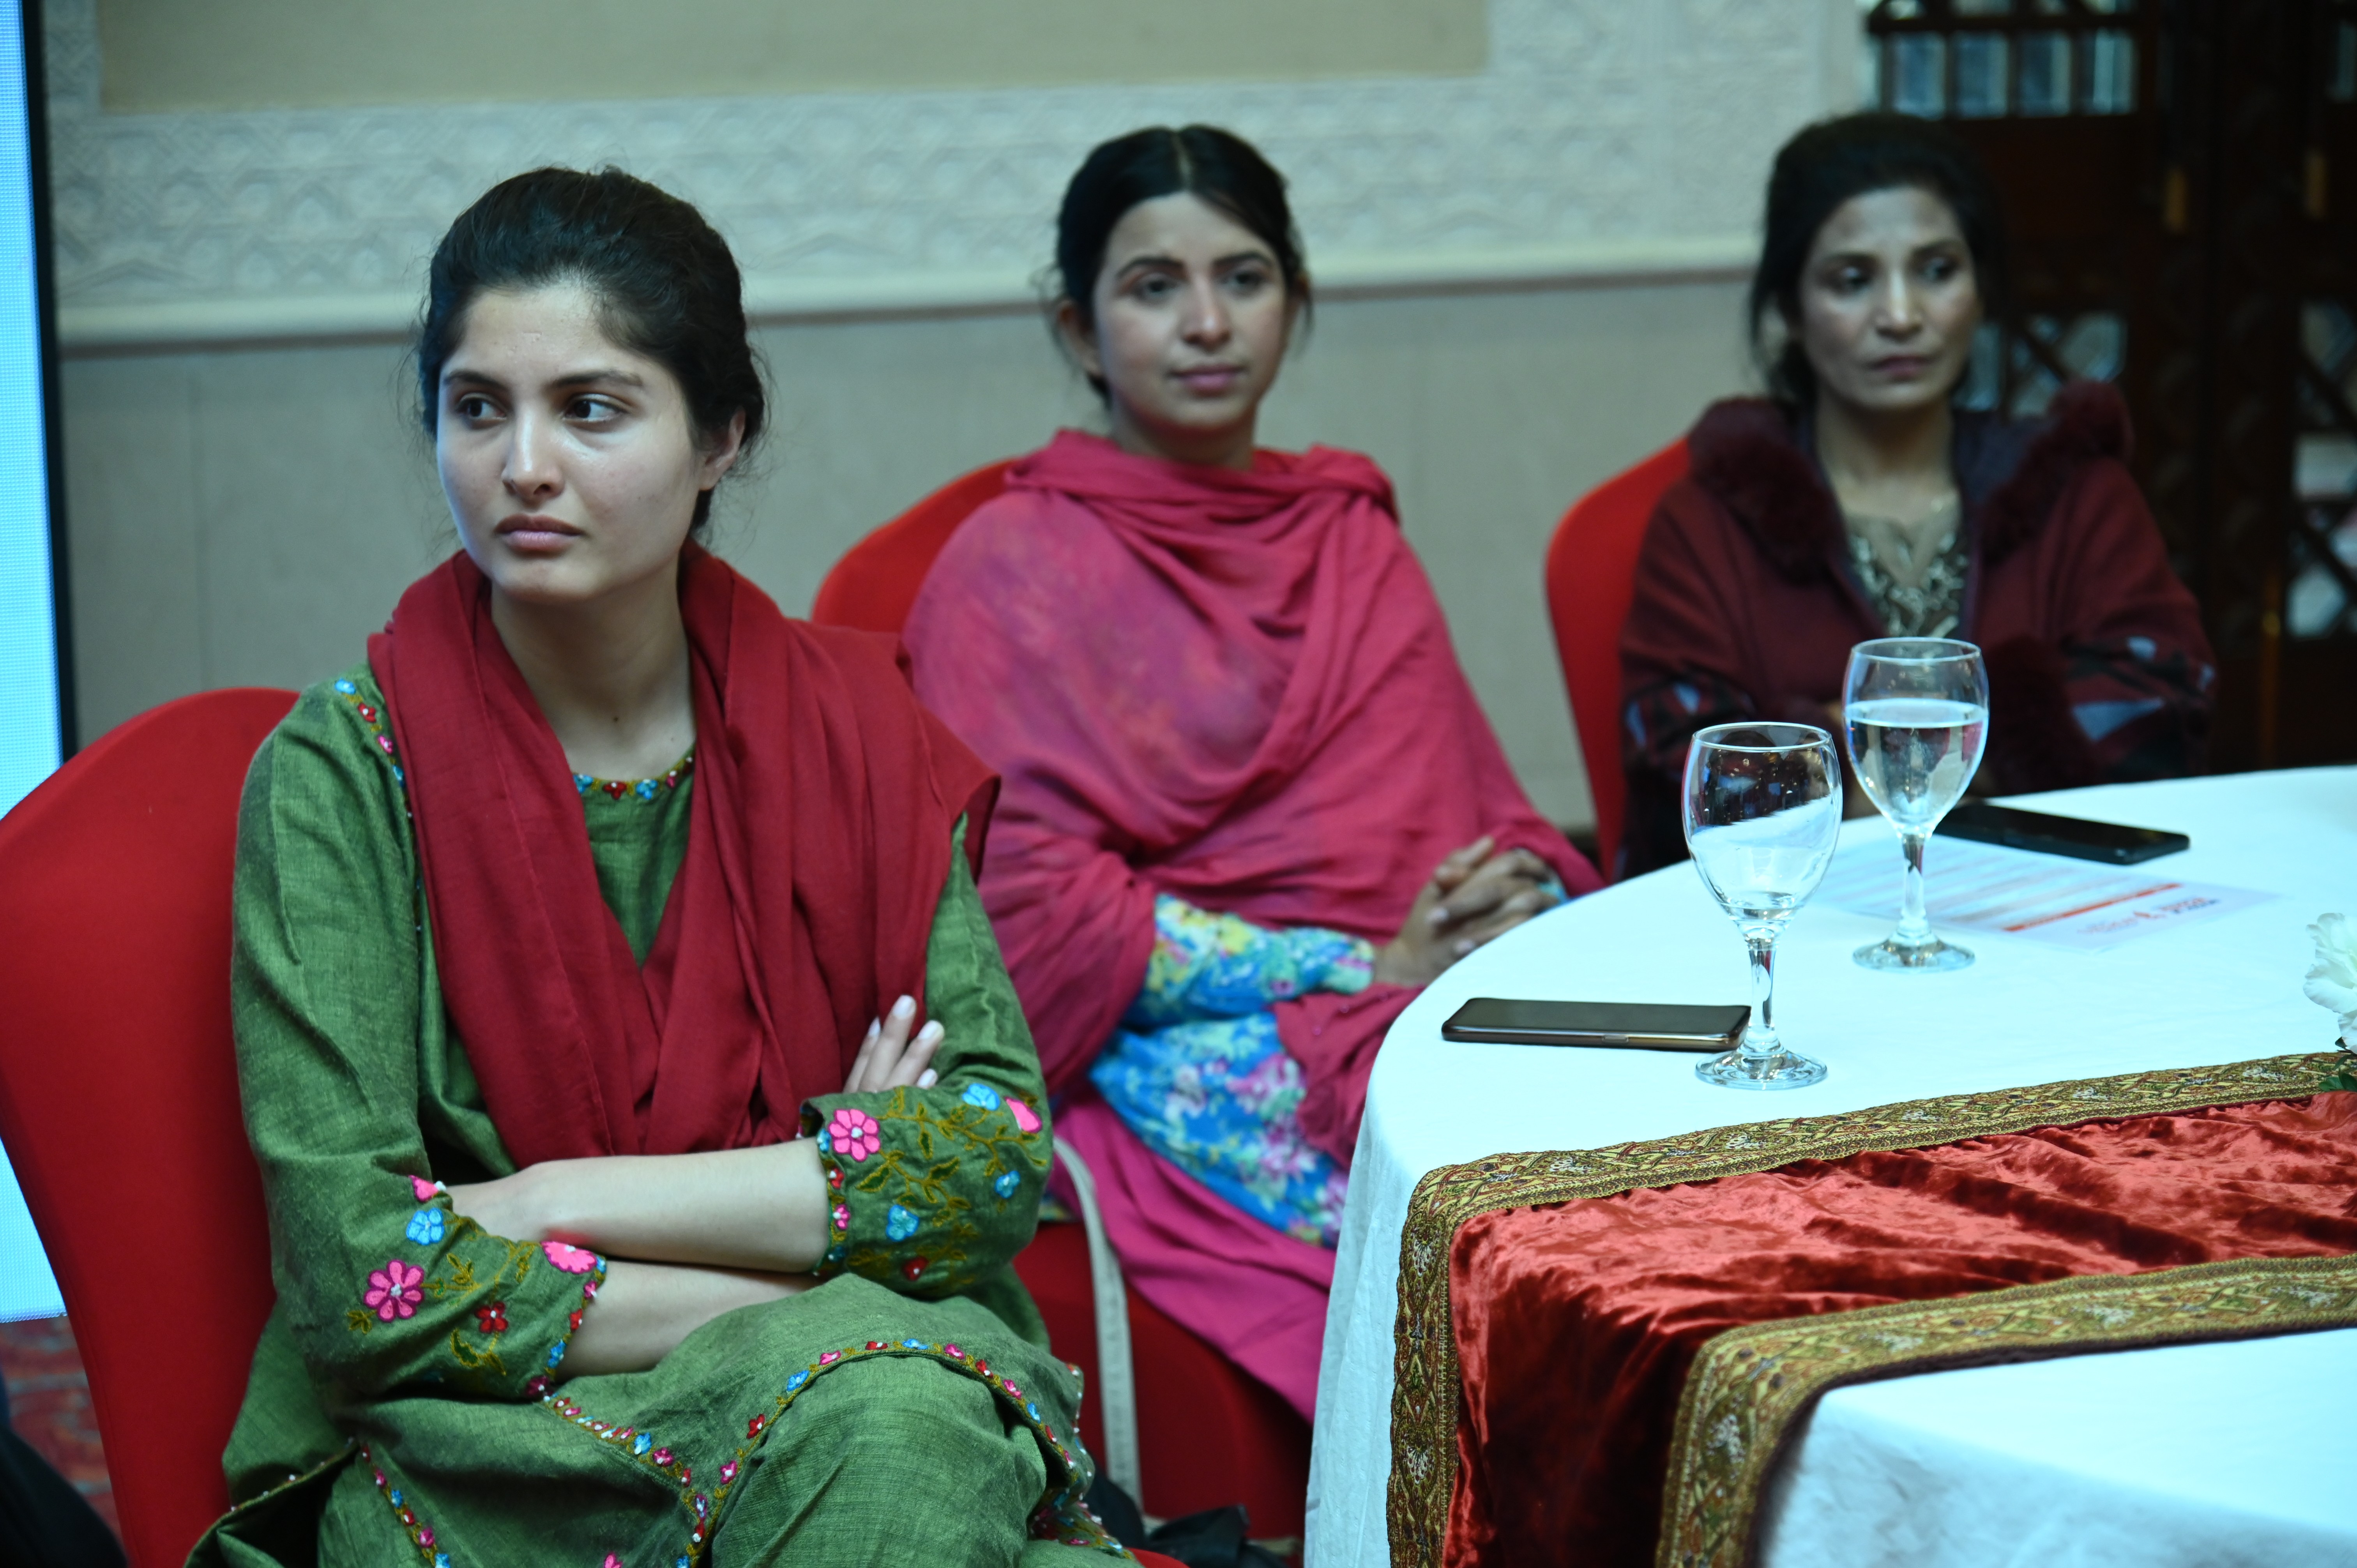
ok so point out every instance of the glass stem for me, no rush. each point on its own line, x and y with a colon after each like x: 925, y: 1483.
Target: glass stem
x: 1759, y: 1035
x: 1914, y: 924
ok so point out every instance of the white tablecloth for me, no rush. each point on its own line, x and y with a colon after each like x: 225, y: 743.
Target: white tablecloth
x: 2234, y: 1453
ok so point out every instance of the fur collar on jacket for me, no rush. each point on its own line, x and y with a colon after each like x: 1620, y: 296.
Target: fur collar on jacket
x: 1749, y: 454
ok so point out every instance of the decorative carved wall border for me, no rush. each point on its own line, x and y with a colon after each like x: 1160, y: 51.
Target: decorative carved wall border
x: 1605, y: 141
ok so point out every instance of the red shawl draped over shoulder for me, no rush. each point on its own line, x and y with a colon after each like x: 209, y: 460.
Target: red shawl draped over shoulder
x: 818, y: 842
x: 1234, y: 688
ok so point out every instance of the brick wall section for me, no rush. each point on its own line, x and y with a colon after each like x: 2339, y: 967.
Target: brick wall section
x: 49, y: 1404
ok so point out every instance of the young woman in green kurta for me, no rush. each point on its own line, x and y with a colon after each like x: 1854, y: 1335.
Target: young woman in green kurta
x: 660, y: 1233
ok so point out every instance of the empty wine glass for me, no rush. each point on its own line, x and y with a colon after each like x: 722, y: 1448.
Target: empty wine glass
x: 1916, y: 712
x: 1762, y: 810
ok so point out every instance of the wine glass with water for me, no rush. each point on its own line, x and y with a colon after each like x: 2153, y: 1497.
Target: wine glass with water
x: 1763, y: 811
x: 1917, y: 712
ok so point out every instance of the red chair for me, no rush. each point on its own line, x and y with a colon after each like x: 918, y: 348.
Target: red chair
x: 118, y: 1093
x: 1207, y: 1433
x: 1591, y: 570
x: 876, y: 582
x: 1208, y: 1436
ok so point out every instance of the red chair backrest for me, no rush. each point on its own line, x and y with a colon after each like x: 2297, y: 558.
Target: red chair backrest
x: 1591, y: 572
x: 118, y: 1093
x: 875, y: 584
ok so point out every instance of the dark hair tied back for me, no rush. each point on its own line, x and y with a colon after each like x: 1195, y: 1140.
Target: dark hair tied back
x: 1827, y: 165
x: 1203, y: 161
x: 664, y: 281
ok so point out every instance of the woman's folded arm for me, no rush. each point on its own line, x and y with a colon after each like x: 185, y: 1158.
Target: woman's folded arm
x: 1208, y: 965
x: 382, y: 1285
x: 931, y: 1190
x: 927, y: 1186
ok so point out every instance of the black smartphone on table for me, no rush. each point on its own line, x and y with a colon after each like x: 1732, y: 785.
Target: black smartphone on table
x: 2114, y: 843
x: 1642, y: 1025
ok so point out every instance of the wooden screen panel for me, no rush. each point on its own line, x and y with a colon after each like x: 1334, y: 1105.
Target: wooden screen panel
x: 2169, y: 171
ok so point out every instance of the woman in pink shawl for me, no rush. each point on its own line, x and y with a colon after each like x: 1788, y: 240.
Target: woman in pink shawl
x: 1251, y: 805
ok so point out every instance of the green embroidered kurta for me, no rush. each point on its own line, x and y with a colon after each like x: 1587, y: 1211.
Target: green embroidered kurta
x: 407, y: 1402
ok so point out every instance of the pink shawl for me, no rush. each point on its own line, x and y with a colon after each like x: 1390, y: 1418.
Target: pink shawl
x: 1235, y: 688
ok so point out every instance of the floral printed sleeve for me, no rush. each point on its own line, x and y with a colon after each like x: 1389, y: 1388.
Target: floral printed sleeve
x: 1198, y: 1074
x: 381, y: 1285
x: 1221, y: 1098
x: 1222, y: 966
x: 936, y: 1190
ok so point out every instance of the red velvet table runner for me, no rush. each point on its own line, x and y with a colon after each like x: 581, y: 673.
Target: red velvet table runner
x: 1551, y: 1305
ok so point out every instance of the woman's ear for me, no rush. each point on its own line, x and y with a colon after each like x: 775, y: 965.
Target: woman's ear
x: 1079, y: 341
x: 722, y: 456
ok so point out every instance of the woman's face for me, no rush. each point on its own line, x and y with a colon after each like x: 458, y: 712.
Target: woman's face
x: 1889, y: 301
x: 1192, y: 316
x: 570, y: 462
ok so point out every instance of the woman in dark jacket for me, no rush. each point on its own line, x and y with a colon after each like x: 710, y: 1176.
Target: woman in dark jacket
x: 1856, y: 501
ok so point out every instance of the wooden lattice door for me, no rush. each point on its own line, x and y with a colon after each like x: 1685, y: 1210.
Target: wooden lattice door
x: 2170, y: 169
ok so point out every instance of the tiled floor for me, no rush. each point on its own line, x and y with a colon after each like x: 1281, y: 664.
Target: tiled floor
x: 49, y: 1404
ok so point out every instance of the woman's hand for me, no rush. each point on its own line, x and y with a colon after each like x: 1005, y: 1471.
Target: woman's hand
x: 1474, y: 897
x: 508, y: 1206
x: 644, y: 1310
x: 889, y: 1058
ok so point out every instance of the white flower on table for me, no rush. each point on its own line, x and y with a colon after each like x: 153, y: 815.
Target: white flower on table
x: 2332, y: 983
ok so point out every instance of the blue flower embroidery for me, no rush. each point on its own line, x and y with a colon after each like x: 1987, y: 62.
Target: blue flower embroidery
x: 346, y: 687
x: 582, y: 781
x: 555, y: 1353
x: 1007, y: 1183
x: 825, y: 1144
x: 425, y: 1227
x: 441, y: 1560
x: 1031, y: 1410
x: 912, y: 1343
x: 647, y: 788
x: 899, y: 1223
x: 796, y: 1382
x: 640, y: 1443
x: 980, y: 1094
x: 397, y: 1497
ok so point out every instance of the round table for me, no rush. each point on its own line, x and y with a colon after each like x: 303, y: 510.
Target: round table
x: 2234, y: 1453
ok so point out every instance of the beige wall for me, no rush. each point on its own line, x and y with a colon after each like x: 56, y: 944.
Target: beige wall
x: 163, y: 55
x: 249, y: 517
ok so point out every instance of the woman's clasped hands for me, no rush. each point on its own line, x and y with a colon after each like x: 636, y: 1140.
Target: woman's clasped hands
x: 1475, y: 896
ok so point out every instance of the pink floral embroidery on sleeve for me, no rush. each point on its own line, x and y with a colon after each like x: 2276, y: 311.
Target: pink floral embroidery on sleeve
x: 571, y: 1259
x: 426, y: 1190
x: 392, y: 1290
x: 854, y: 1133
x: 1025, y: 1117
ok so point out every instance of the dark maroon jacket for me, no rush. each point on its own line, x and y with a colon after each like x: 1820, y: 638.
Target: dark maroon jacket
x: 1747, y: 605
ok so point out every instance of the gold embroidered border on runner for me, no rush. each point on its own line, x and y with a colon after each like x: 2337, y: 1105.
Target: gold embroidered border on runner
x: 1749, y: 1385
x: 1424, y: 1370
